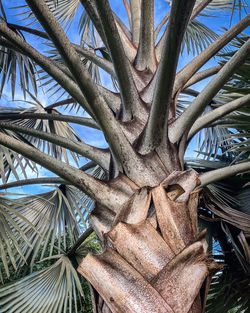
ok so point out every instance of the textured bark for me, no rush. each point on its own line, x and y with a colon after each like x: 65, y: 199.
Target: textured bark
x: 154, y: 258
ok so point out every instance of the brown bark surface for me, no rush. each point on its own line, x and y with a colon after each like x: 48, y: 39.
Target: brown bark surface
x: 154, y: 260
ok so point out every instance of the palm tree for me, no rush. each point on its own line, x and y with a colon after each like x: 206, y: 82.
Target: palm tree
x: 144, y: 198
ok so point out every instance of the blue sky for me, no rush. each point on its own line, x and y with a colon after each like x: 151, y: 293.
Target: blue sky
x: 89, y: 135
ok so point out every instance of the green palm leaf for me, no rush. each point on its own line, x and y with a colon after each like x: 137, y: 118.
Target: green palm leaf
x: 55, y: 289
x: 57, y: 216
x: 197, y: 37
x: 13, y: 235
x: 59, y: 128
x: 229, y: 292
x: 15, y: 67
x: 53, y: 222
x: 14, y: 64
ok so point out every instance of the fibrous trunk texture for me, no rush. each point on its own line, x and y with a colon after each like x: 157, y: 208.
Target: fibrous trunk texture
x: 154, y: 258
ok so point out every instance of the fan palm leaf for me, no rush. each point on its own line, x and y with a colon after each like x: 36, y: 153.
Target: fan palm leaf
x: 197, y: 37
x: 13, y: 233
x: 59, y: 128
x: 53, y: 87
x: 56, y: 215
x: 58, y: 287
x: 52, y: 222
x: 227, y: 199
x: 15, y: 66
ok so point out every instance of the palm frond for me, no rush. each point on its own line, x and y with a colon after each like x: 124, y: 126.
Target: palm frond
x: 237, y: 87
x: 55, y: 289
x: 64, y: 10
x: 57, y: 215
x: 52, y: 87
x: 13, y: 231
x: 225, y: 5
x: 243, y: 196
x: 229, y: 135
x: 16, y: 68
x: 197, y: 37
x: 52, y: 221
x: 229, y: 292
x: 13, y: 163
x: 62, y: 129
x: 241, y: 76
x: 223, y: 212
x: 210, y: 141
x: 90, y: 245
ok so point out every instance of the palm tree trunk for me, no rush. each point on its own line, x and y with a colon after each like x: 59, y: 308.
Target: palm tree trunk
x: 154, y: 258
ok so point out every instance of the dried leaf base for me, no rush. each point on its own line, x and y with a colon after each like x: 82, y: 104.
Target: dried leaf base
x: 156, y: 265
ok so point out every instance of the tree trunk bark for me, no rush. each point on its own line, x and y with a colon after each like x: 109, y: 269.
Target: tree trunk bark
x: 154, y: 258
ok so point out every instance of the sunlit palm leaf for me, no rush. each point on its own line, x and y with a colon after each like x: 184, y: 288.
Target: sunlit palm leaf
x: 62, y: 129
x: 210, y: 141
x: 52, y: 222
x: 197, y: 37
x: 230, y: 135
x: 13, y: 232
x: 13, y: 163
x: 225, y: 5
x: 56, y: 215
x: 65, y: 12
x: 16, y: 68
x: 237, y: 87
x: 84, y: 27
x: 55, y: 289
x: 241, y: 77
x: 52, y: 87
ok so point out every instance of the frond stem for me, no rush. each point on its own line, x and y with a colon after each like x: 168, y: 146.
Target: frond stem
x: 187, y: 119
x: 100, y: 156
x: 165, y: 75
x: 35, y: 181
x: 96, y: 189
x: 129, y: 93
x: 222, y: 173
x: 188, y: 71
x: 85, y: 121
x: 218, y: 113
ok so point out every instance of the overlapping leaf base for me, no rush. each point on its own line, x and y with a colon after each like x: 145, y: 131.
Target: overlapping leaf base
x: 154, y: 260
